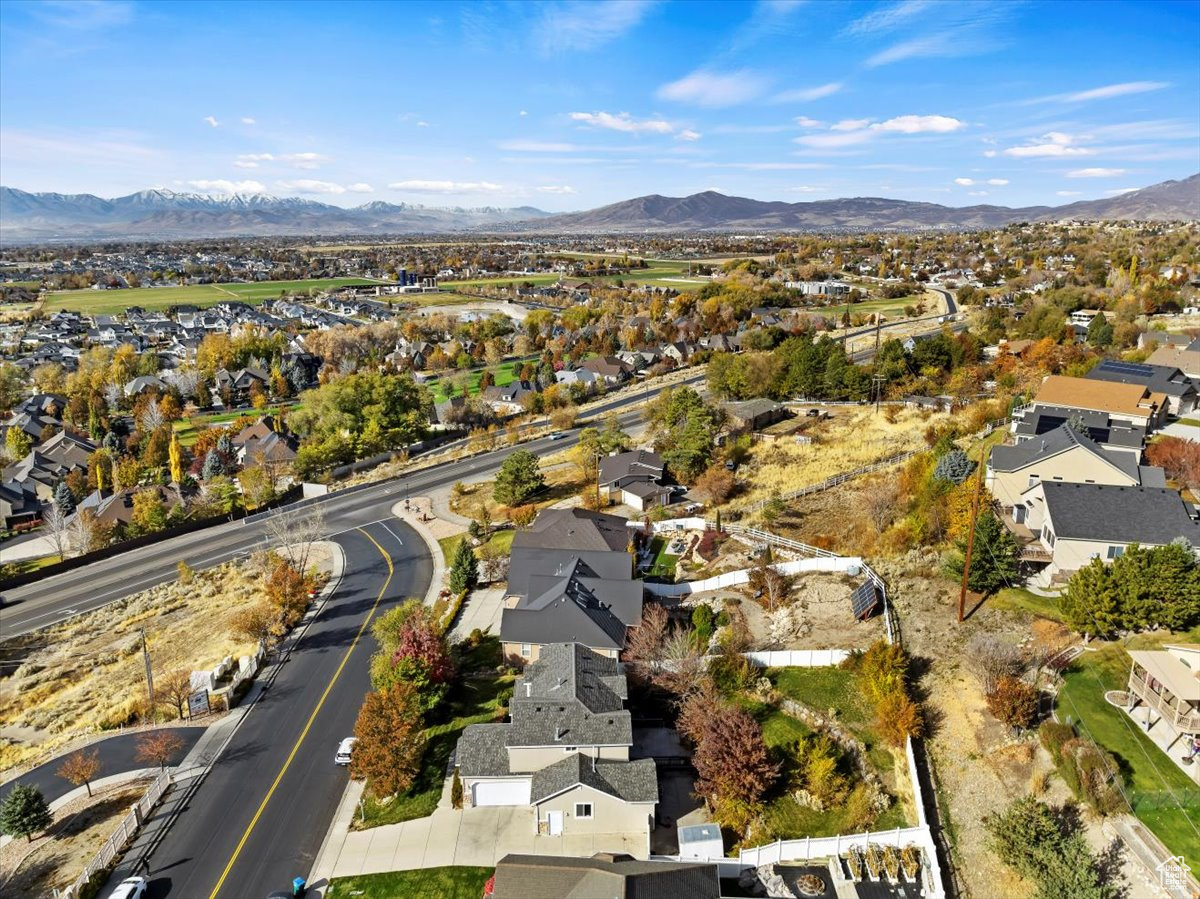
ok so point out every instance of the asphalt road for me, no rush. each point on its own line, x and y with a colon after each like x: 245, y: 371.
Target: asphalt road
x: 62, y: 596
x: 260, y: 815
x: 116, y: 755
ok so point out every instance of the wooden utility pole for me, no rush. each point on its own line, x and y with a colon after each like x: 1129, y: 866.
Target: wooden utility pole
x: 962, y: 593
x: 149, y: 676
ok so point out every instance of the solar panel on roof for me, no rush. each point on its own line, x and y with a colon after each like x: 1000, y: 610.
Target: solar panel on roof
x: 1128, y: 368
x: 864, y: 600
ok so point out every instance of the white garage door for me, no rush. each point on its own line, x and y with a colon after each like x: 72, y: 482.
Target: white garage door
x: 501, y: 792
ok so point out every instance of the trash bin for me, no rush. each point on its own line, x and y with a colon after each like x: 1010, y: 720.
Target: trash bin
x: 298, y: 886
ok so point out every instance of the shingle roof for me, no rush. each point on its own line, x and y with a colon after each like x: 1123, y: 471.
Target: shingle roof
x: 612, y: 877
x: 1145, y: 515
x: 1102, y: 396
x: 628, y: 781
x: 1061, y: 439
x: 527, y: 562
x: 1100, y: 426
x: 574, y: 529
x: 481, y: 750
x: 1168, y: 380
x: 636, y: 463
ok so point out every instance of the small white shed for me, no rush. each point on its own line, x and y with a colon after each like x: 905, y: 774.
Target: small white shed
x: 701, y: 841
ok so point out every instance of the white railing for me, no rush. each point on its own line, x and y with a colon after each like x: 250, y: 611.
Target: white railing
x: 836, y: 479
x: 124, y: 833
x: 797, y: 658
x: 844, y: 564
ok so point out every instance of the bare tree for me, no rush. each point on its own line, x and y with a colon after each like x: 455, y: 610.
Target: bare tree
x: 991, y: 659
x: 175, y: 687
x: 294, y: 531
x: 877, y: 500
x: 86, y: 534
x: 57, y: 525
x: 152, y: 417
x: 683, y: 669
x: 113, y: 395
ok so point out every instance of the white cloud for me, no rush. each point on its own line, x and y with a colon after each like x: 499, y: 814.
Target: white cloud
x: 965, y: 182
x: 977, y: 193
x: 1113, y: 90
x: 445, y: 187
x: 567, y: 26
x: 989, y: 153
x: 622, y: 121
x: 360, y: 187
x: 211, y: 121
x: 997, y: 182
x: 251, y: 160
x: 556, y: 189
x: 223, y: 186
x: 304, y: 160
x: 1121, y: 190
x: 806, y: 189
x: 805, y: 122
x: 247, y: 120
x: 422, y: 124
x: 920, y: 124
x: 309, y: 186
x: 536, y: 146
x: 760, y: 166
x: 1095, y: 173
x: 522, y: 113
x: 808, y: 94
x: 714, y: 89
x: 688, y: 134
x: 1067, y: 193
x: 850, y: 125
x: 1053, y: 144
x: 887, y: 18
x: 834, y: 141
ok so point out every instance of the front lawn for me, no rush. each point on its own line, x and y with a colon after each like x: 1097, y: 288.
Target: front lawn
x: 501, y: 541
x: 663, y: 563
x: 475, y: 698
x: 1163, y: 797
x: 1018, y: 599
x: 428, y: 883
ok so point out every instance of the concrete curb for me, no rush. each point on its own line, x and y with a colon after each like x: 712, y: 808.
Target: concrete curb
x: 435, y: 551
x: 335, y: 837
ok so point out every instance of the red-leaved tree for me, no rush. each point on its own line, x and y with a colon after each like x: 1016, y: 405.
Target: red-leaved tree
x: 1179, y: 458
x: 735, y: 767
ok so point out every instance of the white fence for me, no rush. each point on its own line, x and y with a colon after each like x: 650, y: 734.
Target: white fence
x: 797, y: 658
x: 124, y: 833
x: 845, y: 564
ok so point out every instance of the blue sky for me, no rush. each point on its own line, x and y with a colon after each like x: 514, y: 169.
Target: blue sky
x: 567, y: 105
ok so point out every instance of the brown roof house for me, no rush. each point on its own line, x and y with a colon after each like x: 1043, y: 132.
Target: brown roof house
x: 1133, y: 404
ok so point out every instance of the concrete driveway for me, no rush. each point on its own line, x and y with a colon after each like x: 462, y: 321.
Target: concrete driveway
x: 481, y: 610
x: 474, y: 836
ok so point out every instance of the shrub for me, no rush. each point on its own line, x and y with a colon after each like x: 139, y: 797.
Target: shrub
x: 456, y: 791
x: 1054, y: 736
x: 731, y: 673
x: 702, y: 623
x: 898, y: 717
x: 1014, y: 702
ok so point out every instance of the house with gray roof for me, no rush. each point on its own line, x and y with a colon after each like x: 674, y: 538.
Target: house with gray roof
x: 636, y: 478
x: 604, y: 874
x: 564, y: 750
x: 1179, y: 389
x: 1111, y: 434
x: 1066, y: 455
x: 1076, y: 523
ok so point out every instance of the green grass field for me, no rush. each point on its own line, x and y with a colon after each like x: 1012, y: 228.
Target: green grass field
x: 658, y: 273
x: 112, y: 301
x: 1163, y: 797
x: 504, y: 373
x: 427, y: 883
x: 1018, y: 599
x: 189, y: 429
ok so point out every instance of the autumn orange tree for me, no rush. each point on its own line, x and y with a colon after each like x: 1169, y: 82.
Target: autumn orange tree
x: 157, y: 746
x: 390, y: 739
x: 80, y: 768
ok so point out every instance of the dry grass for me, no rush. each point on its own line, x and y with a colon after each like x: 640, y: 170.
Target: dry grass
x: 86, y: 674
x: 855, y: 436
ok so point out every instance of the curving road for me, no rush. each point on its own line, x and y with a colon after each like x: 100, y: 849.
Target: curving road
x: 116, y: 756
x: 258, y: 817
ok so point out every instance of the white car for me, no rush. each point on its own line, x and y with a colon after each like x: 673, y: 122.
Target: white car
x: 130, y: 888
x: 558, y: 435
x: 345, y: 750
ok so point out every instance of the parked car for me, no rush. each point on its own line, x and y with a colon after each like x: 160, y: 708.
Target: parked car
x: 130, y: 888
x: 558, y: 435
x: 345, y: 750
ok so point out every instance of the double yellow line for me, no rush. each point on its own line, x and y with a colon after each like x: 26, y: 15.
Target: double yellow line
x: 311, y: 718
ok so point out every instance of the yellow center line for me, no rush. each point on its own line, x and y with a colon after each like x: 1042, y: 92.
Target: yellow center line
x: 311, y: 718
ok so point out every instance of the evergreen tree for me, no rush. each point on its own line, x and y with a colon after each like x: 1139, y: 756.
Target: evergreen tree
x: 464, y: 571
x: 1100, y: 332
x: 213, y: 466
x: 24, y: 812
x: 953, y: 466
x: 994, y: 556
x: 63, y: 498
x: 518, y: 479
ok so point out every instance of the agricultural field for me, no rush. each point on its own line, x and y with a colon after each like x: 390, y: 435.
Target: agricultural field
x: 659, y: 273
x: 113, y: 301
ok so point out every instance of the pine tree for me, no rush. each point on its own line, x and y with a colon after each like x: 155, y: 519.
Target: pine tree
x: 212, y: 466
x: 63, y: 498
x: 464, y: 571
x: 994, y: 557
x: 24, y: 812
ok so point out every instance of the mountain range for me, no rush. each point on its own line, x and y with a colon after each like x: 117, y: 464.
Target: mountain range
x: 156, y: 214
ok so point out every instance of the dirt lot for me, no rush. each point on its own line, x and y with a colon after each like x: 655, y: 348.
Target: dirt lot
x: 79, y: 830
x: 86, y: 674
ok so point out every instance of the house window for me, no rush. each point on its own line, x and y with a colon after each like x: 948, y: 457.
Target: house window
x: 1115, y: 552
x: 526, y: 650
x: 583, y: 810
x: 1033, y: 479
x: 1048, y: 536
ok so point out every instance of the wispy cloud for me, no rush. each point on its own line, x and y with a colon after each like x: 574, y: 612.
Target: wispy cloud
x: 537, y: 146
x: 1053, y: 144
x: 561, y: 189
x: 1121, y: 190
x: 963, y: 28
x: 1106, y: 92
x: 252, y: 160
x: 1096, y: 173
x: 445, y: 187
x: 850, y: 132
x: 808, y: 94
x: 212, y: 122
x: 715, y: 89
x: 1068, y: 193
x: 761, y: 166
x: 223, y: 186
x: 622, y: 121
x: 248, y: 120
x: 687, y: 134
x: 751, y: 129
x: 967, y: 182
x: 309, y: 186
x: 83, y: 15
x: 304, y: 160
x: 578, y: 25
